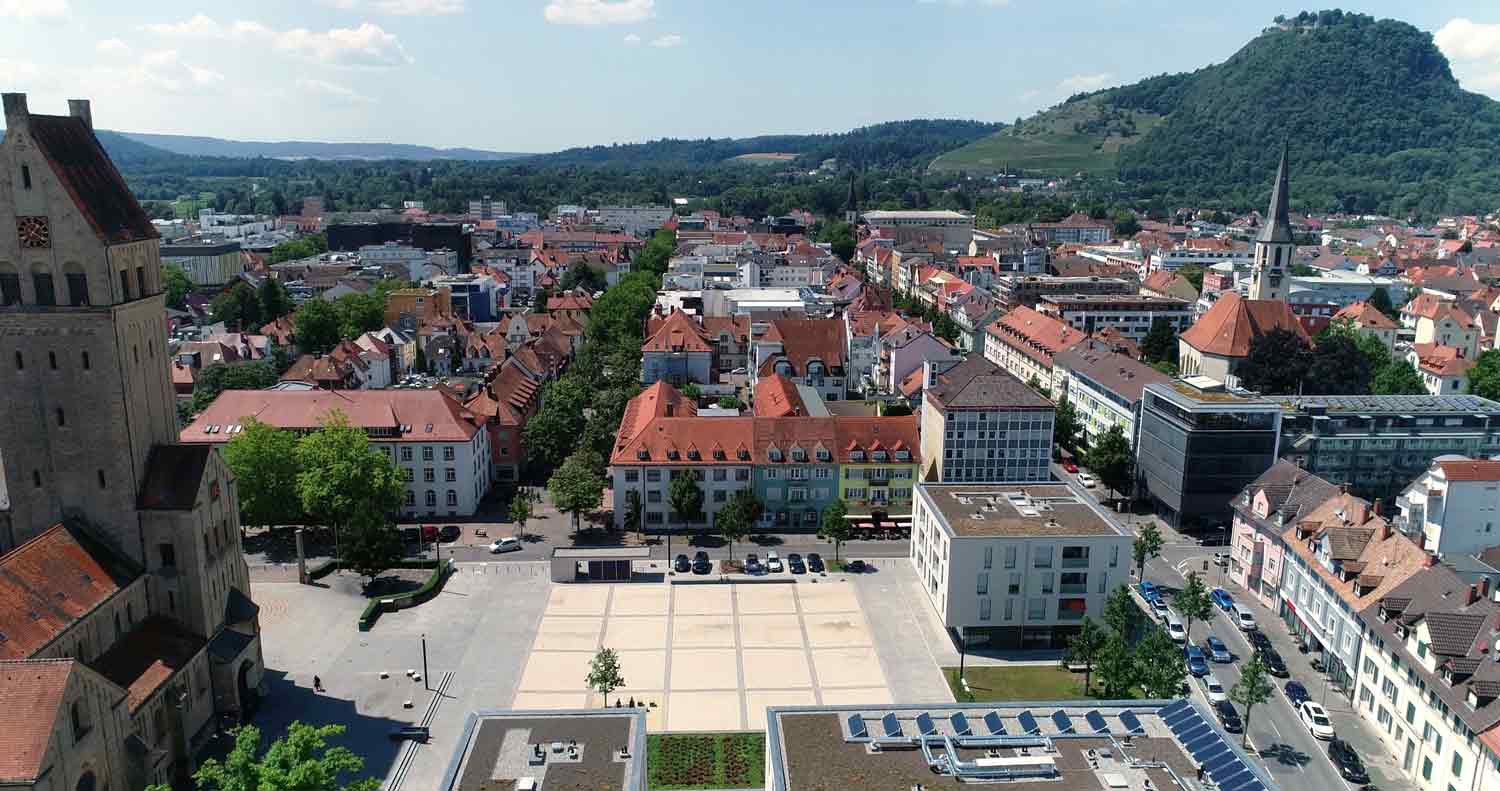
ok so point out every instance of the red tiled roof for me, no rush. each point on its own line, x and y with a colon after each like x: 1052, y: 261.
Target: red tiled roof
x: 1036, y: 335
x: 1365, y: 315
x: 1441, y: 360
x: 31, y: 695
x: 509, y: 398
x: 678, y: 334
x: 804, y: 340
x: 1484, y: 470
x: 777, y: 396
x: 1228, y: 327
x: 386, y: 410
x: 47, y: 584
x: 148, y: 657
x: 90, y: 179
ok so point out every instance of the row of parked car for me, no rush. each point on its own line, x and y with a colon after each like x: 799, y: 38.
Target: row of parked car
x: 1313, y: 716
x: 795, y: 563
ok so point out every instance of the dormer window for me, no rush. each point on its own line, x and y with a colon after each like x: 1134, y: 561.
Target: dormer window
x: 742, y: 454
x: 856, y: 455
x: 718, y: 454
x: 902, y: 455
x: 774, y: 454
x: 824, y: 455
x: 799, y: 454
x: 672, y: 454
x: 693, y: 454
x: 880, y: 455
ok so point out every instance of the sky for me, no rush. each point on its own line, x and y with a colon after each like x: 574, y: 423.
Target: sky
x: 541, y: 75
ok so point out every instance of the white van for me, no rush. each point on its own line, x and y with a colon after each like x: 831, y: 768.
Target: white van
x: 1175, y: 629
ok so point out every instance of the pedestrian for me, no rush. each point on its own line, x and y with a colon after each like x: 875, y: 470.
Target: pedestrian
x: 317, y: 684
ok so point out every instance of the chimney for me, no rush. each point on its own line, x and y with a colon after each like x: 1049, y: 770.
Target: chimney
x: 79, y: 108
x: 1484, y: 587
x: 16, y: 115
x: 1432, y: 560
x: 1473, y: 595
x: 1375, y: 509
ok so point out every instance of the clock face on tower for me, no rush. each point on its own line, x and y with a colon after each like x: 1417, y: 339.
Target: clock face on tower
x: 33, y: 232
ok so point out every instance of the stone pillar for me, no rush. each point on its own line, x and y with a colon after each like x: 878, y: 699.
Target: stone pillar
x: 301, y: 559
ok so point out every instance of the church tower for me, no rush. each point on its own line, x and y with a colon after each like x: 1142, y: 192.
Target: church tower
x: 1274, y: 246
x: 851, y: 203
x: 83, y: 331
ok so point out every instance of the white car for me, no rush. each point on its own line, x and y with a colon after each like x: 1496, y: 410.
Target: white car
x: 1214, y: 689
x: 773, y: 563
x: 1175, y: 629
x: 1087, y: 479
x: 1316, y: 720
x: 505, y: 545
x: 1243, y: 619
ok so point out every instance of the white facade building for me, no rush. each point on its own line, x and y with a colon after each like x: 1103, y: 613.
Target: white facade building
x: 1016, y: 566
x: 1454, y: 507
x: 411, y: 259
x: 634, y: 220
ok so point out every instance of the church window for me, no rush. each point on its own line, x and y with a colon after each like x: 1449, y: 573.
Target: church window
x: 124, y: 284
x: 26, y: 177
x: 41, y: 283
x: 62, y: 418
x: 20, y: 362
x: 102, y: 484
x: 78, y: 285
x: 10, y: 285
x: 85, y: 361
x: 52, y: 360
x: 36, y: 478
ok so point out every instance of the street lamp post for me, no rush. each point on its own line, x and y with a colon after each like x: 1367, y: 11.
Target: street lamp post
x: 426, y: 683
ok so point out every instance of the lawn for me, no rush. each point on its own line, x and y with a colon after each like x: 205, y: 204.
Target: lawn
x: 708, y: 760
x: 1026, y: 682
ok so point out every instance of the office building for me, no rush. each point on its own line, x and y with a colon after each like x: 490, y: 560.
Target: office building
x: 1012, y: 291
x: 1016, y: 566
x: 1076, y: 228
x: 1198, y: 445
x: 205, y: 262
x: 634, y: 220
x: 1131, y: 316
x: 954, y: 230
x: 1104, y: 387
x: 487, y: 208
x: 980, y: 423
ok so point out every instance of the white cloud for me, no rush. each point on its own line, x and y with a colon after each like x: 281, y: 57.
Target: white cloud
x: 367, y: 45
x: 1473, y: 49
x: 419, y: 7
x: 159, y: 71
x: 333, y: 92
x: 632, y: 39
x: 666, y: 42
x: 18, y: 73
x: 1085, y: 82
x: 598, y: 12
x: 33, y: 9
x: 200, y: 26
x: 112, y: 46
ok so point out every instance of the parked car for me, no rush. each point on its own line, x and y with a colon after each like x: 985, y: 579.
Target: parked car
x: 1175, y: 629
x: 815, y: 563
x: 794, y: 562
x: 1214, y: 689
x: 773, y: 563
x: 1275, y: 665
x: 682, y: 565
x: 1217, y: 651
x: 1258, y: 640
x: 1070, y: 467
x: 429, y: 533
x: 855, y: 567
x: 1222, y: 598
x: 1242, y: 618
x: 1087, y: 480
x: 1296, y: 694
x: 1315, y: 717
x: 1159, y: 607
x: 1228, y: 717
x: 701, y: 563
x: 752, y: 564
x: 411, y: 535
x: 1196, y: 664
x: 1346, y: 760
x: 1148, y: 590
x: 505, y: 545
x: 450, y: 533
x: 1221, y: 559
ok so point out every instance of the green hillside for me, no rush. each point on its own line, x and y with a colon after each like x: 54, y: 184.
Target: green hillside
x: 1372, y: 112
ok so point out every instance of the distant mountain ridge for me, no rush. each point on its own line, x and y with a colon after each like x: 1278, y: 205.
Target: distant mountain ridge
x: 1372, y: 112
x: 196, y: 146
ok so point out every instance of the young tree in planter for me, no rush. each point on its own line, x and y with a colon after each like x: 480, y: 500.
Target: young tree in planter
x: 1116, y: 668
x: 520, y: 512
x: 604, y: 673
x: 632, y: 511
x: 1121, y: 613
x: 1110, y: 459
x: 575, y: 487
x: 737, y: 517
x: 835, y: 527
x: 1084, y: 648
x: 685, y: 497
x: 1147, y: 546
x: 1250, y: 691
x: 1160, y: 665
x: 1193, y: 603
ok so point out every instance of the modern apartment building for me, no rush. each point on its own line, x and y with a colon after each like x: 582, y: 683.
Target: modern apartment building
x: 634, y: 220
x: 1130, y: 315
x: 1378, y: 444
x: 487, y: 208
x: 441, y: 448
x: 1104, y: 387
x: 1454, y: 507
x: 980, y: 423
x: 205, y: 262
x: 953, y: 229
x: 1012, y: 291
x: 1076, y: 228
x: 1024, y: 343
x: 1016, y: 565
x: 1198, y: 445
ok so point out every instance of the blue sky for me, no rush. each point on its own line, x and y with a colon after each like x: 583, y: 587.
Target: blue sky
x: 539, y: 75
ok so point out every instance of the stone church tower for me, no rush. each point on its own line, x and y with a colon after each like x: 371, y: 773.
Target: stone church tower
x: 1274, y: 246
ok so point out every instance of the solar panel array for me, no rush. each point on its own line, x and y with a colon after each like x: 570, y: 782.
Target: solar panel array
x: 1206, y: 745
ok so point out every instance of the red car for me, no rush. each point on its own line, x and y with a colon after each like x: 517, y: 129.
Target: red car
x: 1070, y: 467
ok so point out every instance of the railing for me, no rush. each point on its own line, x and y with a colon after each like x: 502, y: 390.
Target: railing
x: 1070, y: 588
x: 1074, y: 563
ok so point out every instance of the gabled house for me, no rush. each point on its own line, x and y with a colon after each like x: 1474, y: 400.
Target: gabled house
x: 508, y: 399
x: 678, y: 351
x: 1219, y: 342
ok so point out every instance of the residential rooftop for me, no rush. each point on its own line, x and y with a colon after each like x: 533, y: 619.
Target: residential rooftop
x: 1117, y: 299
x: 1018, y: 510
x: 1132, y: 745
x: 1192, y: 391
x: 1398, y: 404
x: 554, y: 750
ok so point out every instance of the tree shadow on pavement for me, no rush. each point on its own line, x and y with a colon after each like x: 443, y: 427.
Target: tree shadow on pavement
x: 766, y: 540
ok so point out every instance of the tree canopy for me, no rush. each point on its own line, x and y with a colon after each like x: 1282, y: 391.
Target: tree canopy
x: 317, y: 325
x: 1277, y: 363
x: 301, y: 760
x: 263, y: 459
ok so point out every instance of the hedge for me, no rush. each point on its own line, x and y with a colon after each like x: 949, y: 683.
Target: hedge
x: 401, y: 601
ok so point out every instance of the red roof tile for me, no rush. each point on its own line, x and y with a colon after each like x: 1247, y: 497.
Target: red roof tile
x: 777, y: 396
x: 148, y: 657
x: 90, y: 179
x: 1228, y: 327
x: 386, y: 410
x: 47, y: 584
x: 1365, y: 315
x: 1484, y: 470
x: 678, y: 334
x: 31, y: 695
x: 1036, y: 335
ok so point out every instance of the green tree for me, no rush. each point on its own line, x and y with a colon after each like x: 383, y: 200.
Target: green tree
x: 1160, y: 665
x: 520, y: 512
x: 305, y: 247
x: 1148, y: 544
x: 1084, y: 649
x: 370, y: 544
x: 576, y: 486
x: 692, y: 390
x: 302, y: 760
x: 1381, y: 301
x: 317, y: 326
x: 657, y: 252
x: 358, y: 314
x: 895, y: 409
x: 237, y: 307
x: 1168, y: 367
x: 835, y: 527
x: 1160, y: 343
x: 1484, y: 377
x: 1338, y: 366
x: 633, y: 511
x: 1193, y: 273
x: 345, y: 483
x: 605, y: 675
x: 1398, y: 377
x: 1115, y: 667
x: 1121, y: 613
x: 552, y: 434
x: 1251, y: 690
x: 273, y: 299
x: 1193, y: 603
x: 730, y: 402
x: 1066, y: 429
x: 737, y: 518
x: 685, y: 497
x: 581, y: 275
x: 1110, y: 459
x: 1277, y: 363
x: 215, y: 379
x: 263, y: 460
x: 840, y: 237
x: 177, y: 285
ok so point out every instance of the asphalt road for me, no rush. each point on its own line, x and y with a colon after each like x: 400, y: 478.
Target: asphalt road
x: 540, y: 548
x: 1289, y: 752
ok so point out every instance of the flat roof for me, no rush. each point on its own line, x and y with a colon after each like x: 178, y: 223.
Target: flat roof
x: 1018, y: 510
x: 597, y: 553
x: 1194, y: 391
x: 1112, y: 744
x: 1398, y: 404
x: 943, y: 214
x: 1116, y: 299
x: 498, y: 749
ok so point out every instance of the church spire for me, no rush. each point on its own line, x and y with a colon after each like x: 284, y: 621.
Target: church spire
x: 851, y: 204
x: 1278, y: 227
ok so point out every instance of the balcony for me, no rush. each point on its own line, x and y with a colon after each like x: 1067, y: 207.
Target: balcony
x: 1074, y: 589
x: 1074, y: 563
